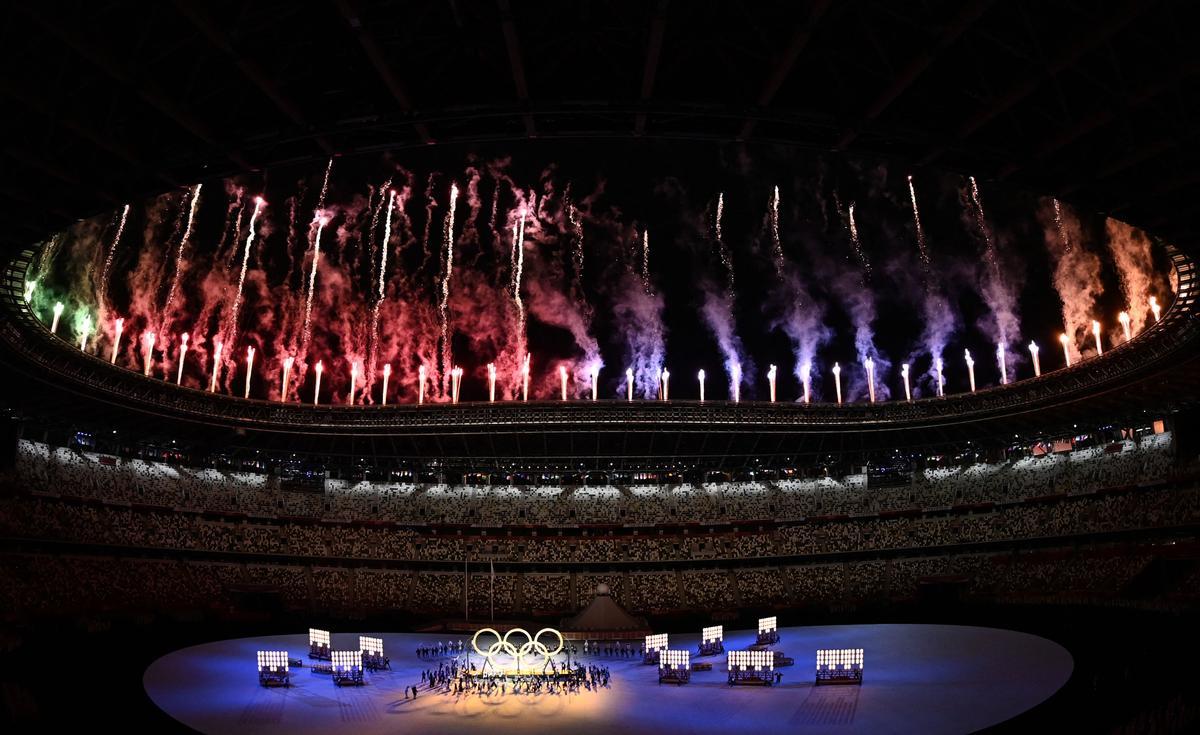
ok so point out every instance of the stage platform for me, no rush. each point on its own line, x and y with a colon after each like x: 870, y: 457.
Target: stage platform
x: 924, y: 679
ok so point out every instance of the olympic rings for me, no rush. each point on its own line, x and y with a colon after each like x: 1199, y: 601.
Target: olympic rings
x: 531, y: 646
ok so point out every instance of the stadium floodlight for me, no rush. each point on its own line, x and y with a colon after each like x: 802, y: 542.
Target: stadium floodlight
x: 750, y: 660
x: 839, y: 666
x: 654, y: 645
x: 754, y: 666
x: 711, y: 640
x: 370, y: 646
x: 273, y: 668
x: 347, y: 667
x: 346, y: 660
x: 318, y: 643
x: 674, y: 667
x: 768, y: 631
x: 372, y: 653
x: 273, y: 661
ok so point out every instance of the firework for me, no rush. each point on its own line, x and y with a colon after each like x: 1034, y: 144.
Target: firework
x: 183, y: 241
x: 1037, y: 363
x: 700, y: 377
x: 854, y: 241
x: 325, y: 183
x: 237, y: 301
x: 112, y: 250
x: 720, y: 214
x: 317, y: 384
x: 383, y: 255
x: 183, y: 348
x: 491, y: 382
x: 646, y: 260
x: 562, y: 376
x: 420, y: 385
x: 354, y: 371
x: 518, y: 270
x: 1154, y: 307
x: 735, y: 382
x: 664, y: 381
x: 443, y: 305
x: 870, y: 365
x: 249, y: 369
x: 595, y: 382
x: 387, y: 373
x: 85, y: 328
x: 58, y: 310
x: 805, y: 371
x: 1066, y: 345
x: 1096, y: 334
x: 941, y: 379
x: 1001, y: 358
x: 118, y: 327
x: 921, y: 246
x: 525, y: 380
x: 629, y: 384
x: 1123, y: 317
x: 771, y: 381
x: 776, y: 242
x: 287, y: 371
x: 837, y: 381
x: 970, y: 369
x: 30, y: 287
x: 455, y: 383
x: 216, y: 370
x: 322, y: 219
x: 904, y: 367
x: 147, y: 353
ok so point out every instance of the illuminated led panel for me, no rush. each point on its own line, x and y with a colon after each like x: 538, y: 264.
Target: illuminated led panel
x: 273, y: 661
x: 318, y: 637
x: 766, y: 625
x: 671, y: 659
x: 370, y: 646
x: 839, y: 659
x: 656, y: 642
x: 714, y: 633
x: 346, y: 660
x: 750, y: 660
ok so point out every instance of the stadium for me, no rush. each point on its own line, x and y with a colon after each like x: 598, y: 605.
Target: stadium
x: 835, y: 363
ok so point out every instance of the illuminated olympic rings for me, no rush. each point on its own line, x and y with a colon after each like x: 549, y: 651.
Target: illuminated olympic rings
x: 532, y: 646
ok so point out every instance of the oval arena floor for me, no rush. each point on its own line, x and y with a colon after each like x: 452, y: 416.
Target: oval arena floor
x: 918, y: 679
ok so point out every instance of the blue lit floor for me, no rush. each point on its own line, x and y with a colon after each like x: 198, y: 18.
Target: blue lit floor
x: 919, y: 679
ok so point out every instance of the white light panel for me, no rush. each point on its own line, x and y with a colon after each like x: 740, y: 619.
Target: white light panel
x: 319, y: 637
x: 750, y: 660
x: 656, y: 642
x: 839, y: 659
x: 370, y: 646
x: 346, y: 660
x: 273, y: 661
x: 766, y: 625
x: 714, y: 633
x: 671, y: 659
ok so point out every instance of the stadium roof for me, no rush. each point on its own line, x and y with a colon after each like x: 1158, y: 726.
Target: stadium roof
x: 118, y: 102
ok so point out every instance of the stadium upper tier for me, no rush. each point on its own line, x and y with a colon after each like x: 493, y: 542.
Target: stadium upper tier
x: 1149, y: 372
x: 149, y: 536
x: 66, y: 472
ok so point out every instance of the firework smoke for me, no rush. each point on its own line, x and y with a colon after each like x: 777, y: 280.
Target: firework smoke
x: 1076, y: 269
x: 1135, y: 267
